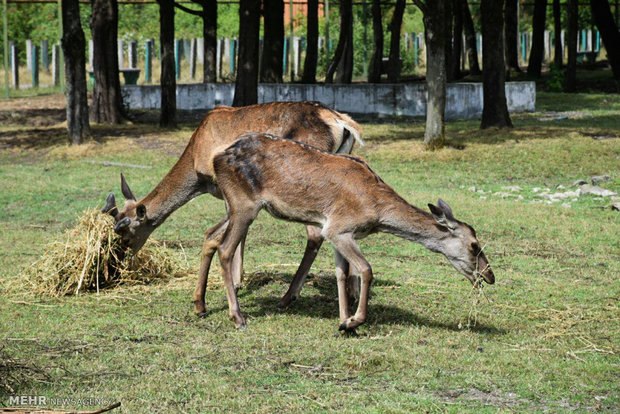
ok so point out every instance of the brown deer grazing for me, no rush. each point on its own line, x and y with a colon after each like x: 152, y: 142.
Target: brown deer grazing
x: 341, y: 195
x: 192, y: 175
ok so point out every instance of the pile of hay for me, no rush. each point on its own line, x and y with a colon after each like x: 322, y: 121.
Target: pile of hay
x: 91, y: 258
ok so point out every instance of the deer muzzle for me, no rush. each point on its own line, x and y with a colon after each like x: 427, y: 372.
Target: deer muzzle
x: 121, y: 225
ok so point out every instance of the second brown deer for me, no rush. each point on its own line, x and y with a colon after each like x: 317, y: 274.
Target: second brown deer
x: 339, y: 194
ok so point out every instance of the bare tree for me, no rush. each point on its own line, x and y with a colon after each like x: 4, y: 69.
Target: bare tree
x: 393, y: 72
x: 538, y: 38
x: 312, y: 45
x: 208, y: 14
x: 168, y: 114
x: 107, y: 103
x: 435, y: 35
x: 470, y: 39
x: 557, y: 30
x: 449, y: 38
x: 604, y: 20
x: 457, y: 44
x: 273, y: 41
x: 73, y: 46
x: 246, y: 84
x: 511, y: 33
x: 374, y: 68
x: 343, y: 56
x: 495, y: 109
x: 570, y: 82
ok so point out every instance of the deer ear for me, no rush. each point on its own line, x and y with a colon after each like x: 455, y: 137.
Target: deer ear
x: 126, y: 190
x: 446, y: 209
x: 440, y: 216
x: 110, y: 206
x: 141, y: 212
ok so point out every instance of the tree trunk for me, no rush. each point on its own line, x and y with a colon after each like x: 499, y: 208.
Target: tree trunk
x: 343, y: 56
x: 538, y: 38
x: 470, y: 39
x: 511, y: 33
x: 168, y: 114
x: 107, y: 103
x: 246, y: 84
x: 374, y: 68
x: 570, y: 84
x: 609, y: 33
x: 435, y: 35
x: 273, y: 42
x: 312, y: 45
x: 457, y: 45
x: 557, y: 34
x: 449, y: 39
x: 209, y: 29
x: 73, y: 46
x: 393, y: 72
x: 495, y: 109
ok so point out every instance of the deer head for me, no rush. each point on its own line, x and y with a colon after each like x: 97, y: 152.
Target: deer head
x: 461, y: 245
x: 132, y: 222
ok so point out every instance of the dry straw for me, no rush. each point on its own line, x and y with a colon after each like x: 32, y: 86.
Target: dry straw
x: 90, y: 258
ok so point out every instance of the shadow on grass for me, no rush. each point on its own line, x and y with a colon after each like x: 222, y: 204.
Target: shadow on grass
x: 527, y: 127
x: 325, y: 304
x: 35, y: 138
x: 38, y: 128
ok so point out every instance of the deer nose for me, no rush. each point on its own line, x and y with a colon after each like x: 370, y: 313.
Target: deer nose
x: 122, y: 224
x: 488, y: 276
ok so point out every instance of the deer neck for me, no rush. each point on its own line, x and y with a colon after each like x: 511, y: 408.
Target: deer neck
x: 409, y: 222
x: 178, y: 187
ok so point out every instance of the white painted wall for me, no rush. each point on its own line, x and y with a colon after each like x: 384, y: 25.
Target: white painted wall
x: 463, y: 100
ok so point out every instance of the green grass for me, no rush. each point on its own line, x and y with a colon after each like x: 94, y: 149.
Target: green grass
x: 545, y: 340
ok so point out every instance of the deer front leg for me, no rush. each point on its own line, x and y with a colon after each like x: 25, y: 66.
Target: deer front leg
x: 213, y: 237
x: 347, y: 247
x: 312, y: 248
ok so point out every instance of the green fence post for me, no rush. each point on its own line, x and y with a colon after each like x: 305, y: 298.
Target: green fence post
x: 148, y: 60
x: 35, y: 66
x: 233, y: 54
x: 583, y: 40
x: 285, y: 55
x: 6, y: 49
x: 177, y: 58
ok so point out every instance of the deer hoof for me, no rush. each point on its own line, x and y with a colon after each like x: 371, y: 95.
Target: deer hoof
x: 239, y: 321
x: 349, y: 325
x: 202, y: 314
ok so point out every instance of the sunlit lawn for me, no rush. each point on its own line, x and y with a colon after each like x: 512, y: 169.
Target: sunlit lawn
x: 544, y: 337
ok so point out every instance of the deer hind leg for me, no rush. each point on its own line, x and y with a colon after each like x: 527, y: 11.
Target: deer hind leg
x: 236, y: 231
x: 347, y: 247
x: 342, y: 270
x: 237, y: 264
x: 213, y: 237
x: 312, y: 248
x: 353, y: 286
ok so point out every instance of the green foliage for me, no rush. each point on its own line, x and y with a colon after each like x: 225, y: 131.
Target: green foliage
x: 555, y: 81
